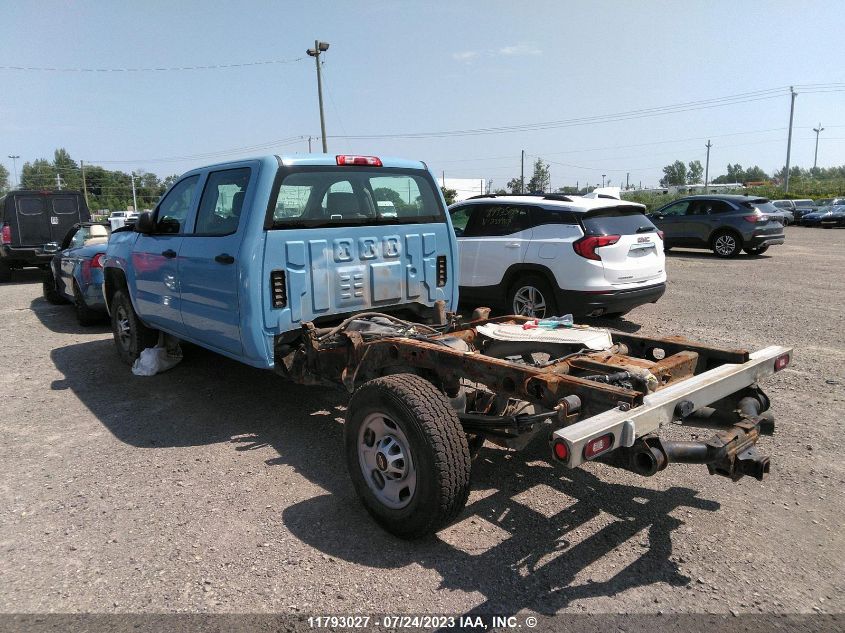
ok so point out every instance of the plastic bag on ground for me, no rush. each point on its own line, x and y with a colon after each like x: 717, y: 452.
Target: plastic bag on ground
x: 155, y: 360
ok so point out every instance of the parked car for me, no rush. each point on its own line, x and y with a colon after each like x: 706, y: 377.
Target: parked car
x: 829, y: 202
x: 725, y: 224
x: 118, y: 219
x: 76, y: 272
x: 32, y: 225
x: 546, y: 255
x: 836, y: 217
x: 815, y: 218
x: 794, y: 208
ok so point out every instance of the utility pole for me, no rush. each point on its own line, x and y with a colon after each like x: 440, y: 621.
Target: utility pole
x: 817, y: 130
x: 58, y: 181
x: 789, y: 141
x: 320, y: 47
x: 627, y: 180
x: 309, y: 144
x: 84, y: 188
x: 134, y: 199
x: 444, y: 178
x: 602, y: 179
x: 15, y: 158
x: 522, y: 176
x: 707, y: 166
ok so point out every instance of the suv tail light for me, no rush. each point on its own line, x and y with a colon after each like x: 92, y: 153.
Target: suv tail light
x: 441, y: 271
x: 278, y: 289
x: 756, y: 218
x: 6, y: 234
x: 365, y: 161
x: 587, y: 245
x: 662, y: 236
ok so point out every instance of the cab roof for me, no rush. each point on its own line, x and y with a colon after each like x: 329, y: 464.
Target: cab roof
x: 318, y: 160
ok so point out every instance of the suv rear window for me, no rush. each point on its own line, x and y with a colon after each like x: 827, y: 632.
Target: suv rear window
x: 351, y: 196
x: 617, y: 221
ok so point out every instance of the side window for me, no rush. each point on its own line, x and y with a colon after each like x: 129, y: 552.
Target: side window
x: 173, y: 210
x: 460, y: 217
x: 222, y: 202
x: 720, y: 206
x: 497, y: 220
x: 65, y: 205
x: 77, y: 239
x: 540, y: 216
x: 674, y: 210
x: 30, y: 206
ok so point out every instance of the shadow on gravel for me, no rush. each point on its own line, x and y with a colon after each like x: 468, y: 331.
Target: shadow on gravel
x: 62, y: 318
x: 25, y: 277
x: 681, y: 253
x: 515, y: 556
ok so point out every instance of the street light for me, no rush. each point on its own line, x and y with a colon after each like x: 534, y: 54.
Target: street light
x: 602, y: 179
x: 15, y: 158
x: 320, y: 47
x: 817, y: 130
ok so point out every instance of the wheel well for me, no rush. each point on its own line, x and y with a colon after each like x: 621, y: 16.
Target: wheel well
x: 115, y: 280
x: 518, y: 270
x: 726, y: 229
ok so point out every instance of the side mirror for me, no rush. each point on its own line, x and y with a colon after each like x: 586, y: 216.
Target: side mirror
x: 145, y: 224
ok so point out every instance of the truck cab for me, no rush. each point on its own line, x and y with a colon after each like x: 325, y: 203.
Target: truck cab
x: 237, y: 256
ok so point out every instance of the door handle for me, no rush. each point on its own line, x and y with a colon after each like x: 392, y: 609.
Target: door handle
x: 169, y: 253
x: 512, y: 245
x: 225, y: 258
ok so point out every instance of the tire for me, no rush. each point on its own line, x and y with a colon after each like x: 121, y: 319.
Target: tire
x: 50, y: 290
x: 527, y: 292
x: 407, y: 455
x: 726, y: 244
x: 131, y: 336
x: 5, y: 272
x: 756, y: 251
x: 84, y: 315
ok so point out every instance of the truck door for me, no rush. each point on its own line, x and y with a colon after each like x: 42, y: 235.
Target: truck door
x: 496, y: 237
x: 209, y: 262
x: 32, y: 220
x: 154, y: 258
x: 64, y: 213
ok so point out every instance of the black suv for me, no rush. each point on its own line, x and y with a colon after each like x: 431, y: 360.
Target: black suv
x: 722, y: 223
x: 33, y: 224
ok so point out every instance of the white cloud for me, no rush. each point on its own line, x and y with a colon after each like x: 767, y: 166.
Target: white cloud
x: 520, y: 49
x: 465, y: 56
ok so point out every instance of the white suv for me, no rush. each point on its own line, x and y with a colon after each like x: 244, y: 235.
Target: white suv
x: 552, y: 254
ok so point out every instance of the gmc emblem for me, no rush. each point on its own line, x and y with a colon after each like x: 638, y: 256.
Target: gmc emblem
x: 640, y: 240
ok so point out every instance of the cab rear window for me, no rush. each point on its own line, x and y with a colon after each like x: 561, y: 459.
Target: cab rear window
x: 617, y: 221
x: 351, y: 196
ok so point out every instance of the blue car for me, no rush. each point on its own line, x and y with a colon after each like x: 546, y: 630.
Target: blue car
x: 836, y: 217
x: 815, y: 218
x: 76, y: 272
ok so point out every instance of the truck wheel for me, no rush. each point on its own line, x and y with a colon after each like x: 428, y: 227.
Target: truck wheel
x: 726, y: 244
x: 5, y: 272
x: 50, y: 289
x: 407, y: 455
x: 130, y: 335
x: 532, y: 296
x: 84, y: 314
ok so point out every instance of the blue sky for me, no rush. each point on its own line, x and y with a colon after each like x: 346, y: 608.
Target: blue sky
x: 410, y: 67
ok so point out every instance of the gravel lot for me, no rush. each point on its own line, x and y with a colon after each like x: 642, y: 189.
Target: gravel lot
x: 219, y: 488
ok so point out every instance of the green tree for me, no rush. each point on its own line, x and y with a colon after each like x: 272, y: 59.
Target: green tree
x: 449, y: 194
x: 514, y: 185
x: 38, y: 175
x: 4, y: 179
x: 755, y: 174
x: 695, y: 173
x: 541, y: 178
x: 674, y: 174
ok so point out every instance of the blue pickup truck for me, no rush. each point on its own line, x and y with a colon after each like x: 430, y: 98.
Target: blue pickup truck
x: 342, y: 270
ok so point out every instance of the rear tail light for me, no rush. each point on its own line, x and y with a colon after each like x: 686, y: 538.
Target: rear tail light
x: 97, y: 260
x: 781, y: 362
x: 560, y: 450
x: 366, y: 161
x: 662, y: 236
x: 278, y: 289
x: 587, y: 245
x: 6, y: 234
x: 598, y: 446
x: 756, y: 218
x: 441, y: 271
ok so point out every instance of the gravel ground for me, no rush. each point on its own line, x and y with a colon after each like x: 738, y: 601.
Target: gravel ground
x: 219, y: 488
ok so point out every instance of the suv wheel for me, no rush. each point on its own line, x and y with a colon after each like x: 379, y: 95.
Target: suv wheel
x: 726, y: 244
x: 532, y: 296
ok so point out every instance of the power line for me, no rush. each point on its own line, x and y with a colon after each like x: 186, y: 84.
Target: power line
x: 151, y: 69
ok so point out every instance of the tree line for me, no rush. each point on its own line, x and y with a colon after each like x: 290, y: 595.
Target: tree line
x: 105, y: 188
x: 677, y: 173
